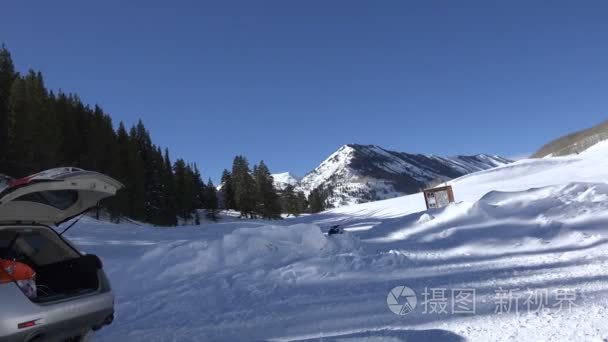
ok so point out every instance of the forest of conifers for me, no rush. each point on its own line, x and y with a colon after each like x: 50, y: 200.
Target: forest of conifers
x: 42, y: 129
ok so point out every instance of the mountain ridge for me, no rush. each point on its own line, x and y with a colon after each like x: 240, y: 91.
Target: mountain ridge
x: 357, y: 173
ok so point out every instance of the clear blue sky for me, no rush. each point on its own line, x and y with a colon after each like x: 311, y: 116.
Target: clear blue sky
x: 291, y: 81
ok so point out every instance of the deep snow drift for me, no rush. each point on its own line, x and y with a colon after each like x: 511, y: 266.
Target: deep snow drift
x: 528, y: 227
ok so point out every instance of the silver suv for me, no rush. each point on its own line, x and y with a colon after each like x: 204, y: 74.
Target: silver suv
x: 73, y: 295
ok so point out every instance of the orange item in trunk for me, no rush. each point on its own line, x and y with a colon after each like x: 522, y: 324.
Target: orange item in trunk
x: 14, y: 271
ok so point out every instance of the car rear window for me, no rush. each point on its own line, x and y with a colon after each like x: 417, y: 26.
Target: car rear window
x: 34, y: 246
x: 6, y: 237
x: 60, y: 199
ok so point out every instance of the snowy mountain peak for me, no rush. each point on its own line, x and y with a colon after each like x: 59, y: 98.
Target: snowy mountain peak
x: 281, y: 180
x: 336, y: 165
x: 362, y: 173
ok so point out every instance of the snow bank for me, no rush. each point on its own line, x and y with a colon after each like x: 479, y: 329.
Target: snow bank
x: 538, y: 218
x: 263, y: 247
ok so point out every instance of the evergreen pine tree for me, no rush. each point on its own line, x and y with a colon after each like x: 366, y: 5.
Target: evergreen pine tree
x: 158, y: 191
x: 212, y: 202
x: 181, y: 188
x: 151, y: 176
x: 301, y: 202
x: 137, y: 178
x: 244, y: 187
x: 289, y: 201
x: 227, y: 191
x: 186, y: 188
x: 33, y: 129
x: 169, y: 195
x: 200, y: 189
x: 121, y: 204
x: 316, y: 200
x: 21, y: 147
x: 267, y: 200
x: 7, y: 76
x: 293, y: 203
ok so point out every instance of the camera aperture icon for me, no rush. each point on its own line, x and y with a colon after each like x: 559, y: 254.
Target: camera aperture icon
x: 401, y: 300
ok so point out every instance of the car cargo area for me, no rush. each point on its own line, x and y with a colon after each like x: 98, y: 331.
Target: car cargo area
x: 61, y: 271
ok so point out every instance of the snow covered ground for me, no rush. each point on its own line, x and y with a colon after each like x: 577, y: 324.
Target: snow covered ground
x: 530, y: 238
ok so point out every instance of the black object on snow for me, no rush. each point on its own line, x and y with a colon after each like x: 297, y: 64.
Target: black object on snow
x: 335, y: 230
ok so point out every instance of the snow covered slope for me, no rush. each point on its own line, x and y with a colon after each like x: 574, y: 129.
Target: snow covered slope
x: 281, y: 180
x: 588, y: 166
x: 531, y: 227
x: 575, y: 142
x: 363, y: 173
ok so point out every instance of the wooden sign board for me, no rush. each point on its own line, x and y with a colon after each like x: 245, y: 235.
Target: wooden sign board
x: 438, y: 197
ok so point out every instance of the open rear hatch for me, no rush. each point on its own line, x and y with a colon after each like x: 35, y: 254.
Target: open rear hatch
x: 29, y: 205
x: 54, y: 196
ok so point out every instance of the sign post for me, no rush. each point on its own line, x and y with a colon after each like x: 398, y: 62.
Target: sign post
x: 438, y: 197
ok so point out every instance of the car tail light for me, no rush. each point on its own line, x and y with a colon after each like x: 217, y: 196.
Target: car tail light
x: 30, y: 324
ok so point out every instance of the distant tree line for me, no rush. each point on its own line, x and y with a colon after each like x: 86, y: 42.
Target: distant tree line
x: 41, y: 129
x: 293, y: 203
x: 253, y: 193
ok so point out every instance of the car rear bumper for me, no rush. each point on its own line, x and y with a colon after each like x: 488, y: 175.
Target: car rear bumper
x: 54, y: 321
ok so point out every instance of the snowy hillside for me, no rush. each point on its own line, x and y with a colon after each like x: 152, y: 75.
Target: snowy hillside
x: 281, y: 180
x: 574, y: 142
x: 363, y: 173
x: 534, y: 229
